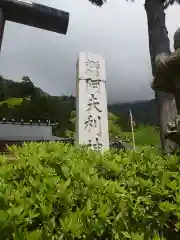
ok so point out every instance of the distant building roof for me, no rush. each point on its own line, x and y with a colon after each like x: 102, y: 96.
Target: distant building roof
x: 20, y: 131
x: 32, y: 138
x: 38, y: 123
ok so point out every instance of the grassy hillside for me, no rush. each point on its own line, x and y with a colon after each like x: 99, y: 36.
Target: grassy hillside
x: 12, y: 102
x: 144, y: 113
x: 22, y: 100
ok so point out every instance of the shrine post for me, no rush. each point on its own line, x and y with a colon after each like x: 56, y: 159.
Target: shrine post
x: 34, y: 15
x: 2, y: 24
x: 91, y: 102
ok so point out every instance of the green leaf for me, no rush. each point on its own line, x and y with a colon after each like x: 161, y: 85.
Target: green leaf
x: 137, y: 236
x: 35, y: 235
x: 126, y: 235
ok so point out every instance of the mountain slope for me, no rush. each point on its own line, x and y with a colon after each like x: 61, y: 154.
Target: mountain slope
x: 144, y: 112
x: 23, y: 100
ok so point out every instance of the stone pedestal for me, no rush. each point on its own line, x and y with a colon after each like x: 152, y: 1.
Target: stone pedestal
x: 91, y: 102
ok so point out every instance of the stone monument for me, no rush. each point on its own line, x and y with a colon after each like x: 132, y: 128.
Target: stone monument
x: 167, y: 79
x: 91, y: 102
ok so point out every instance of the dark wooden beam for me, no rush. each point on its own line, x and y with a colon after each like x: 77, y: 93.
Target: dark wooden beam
x: 2, y: 23
x: 35, y: 15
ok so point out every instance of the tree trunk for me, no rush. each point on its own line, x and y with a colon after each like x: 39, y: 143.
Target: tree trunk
x: 158, y: 43
x: 2, y: 23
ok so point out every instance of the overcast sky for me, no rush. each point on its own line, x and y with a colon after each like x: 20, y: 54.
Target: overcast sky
x: 117, y: 31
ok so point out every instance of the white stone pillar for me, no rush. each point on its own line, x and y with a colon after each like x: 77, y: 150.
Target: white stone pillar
x: 91, y: 102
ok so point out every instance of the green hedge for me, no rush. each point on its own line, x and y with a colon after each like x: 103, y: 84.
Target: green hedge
x: 59, y: 192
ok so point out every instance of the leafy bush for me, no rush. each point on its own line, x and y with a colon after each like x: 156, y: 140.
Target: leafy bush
x: 147, y: 135
x: 144, y: 136
x: 55, y: 191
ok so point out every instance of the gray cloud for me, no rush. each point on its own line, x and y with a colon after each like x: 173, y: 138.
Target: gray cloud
x: 117, y: 31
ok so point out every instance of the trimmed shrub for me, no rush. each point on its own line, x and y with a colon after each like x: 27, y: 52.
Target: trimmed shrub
x: 55, y: 191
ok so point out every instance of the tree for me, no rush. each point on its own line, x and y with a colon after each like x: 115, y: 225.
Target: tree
x: 158, y: 43
x: 114, y: 128
x: 2, y: 97
x: 27, y: 87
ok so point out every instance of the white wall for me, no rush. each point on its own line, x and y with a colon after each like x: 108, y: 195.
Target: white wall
x: 14, y: 130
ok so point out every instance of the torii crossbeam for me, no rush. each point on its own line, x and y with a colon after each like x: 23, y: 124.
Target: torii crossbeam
x: 32, y: 14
